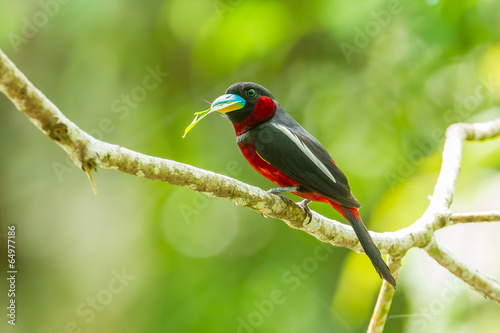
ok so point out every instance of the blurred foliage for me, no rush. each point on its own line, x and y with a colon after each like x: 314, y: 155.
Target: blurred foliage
x: 377, y: 82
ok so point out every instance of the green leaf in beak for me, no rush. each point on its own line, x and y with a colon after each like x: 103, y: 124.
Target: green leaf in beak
x: 199, y: 116
x: 219, y: 106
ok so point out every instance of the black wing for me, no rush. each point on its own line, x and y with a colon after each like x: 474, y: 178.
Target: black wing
x: 291, y: 149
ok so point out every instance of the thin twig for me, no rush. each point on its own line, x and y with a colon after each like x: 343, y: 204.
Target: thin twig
x: 484, y: 284
x: 476, y: 217
x: 384, y: 299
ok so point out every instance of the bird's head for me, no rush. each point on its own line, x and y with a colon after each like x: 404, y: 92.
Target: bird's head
x: 246, y: 104
x: 241, y: 99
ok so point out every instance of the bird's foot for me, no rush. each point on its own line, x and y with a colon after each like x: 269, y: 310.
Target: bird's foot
x: 304, y: 205
x: 280, y: 190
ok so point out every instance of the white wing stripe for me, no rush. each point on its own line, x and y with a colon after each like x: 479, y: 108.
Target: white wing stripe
x: 305, y: 150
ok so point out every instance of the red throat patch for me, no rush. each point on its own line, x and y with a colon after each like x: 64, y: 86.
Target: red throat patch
x: 264, y: 110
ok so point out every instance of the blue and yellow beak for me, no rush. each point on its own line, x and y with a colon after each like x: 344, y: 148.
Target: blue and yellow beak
x: 223, y: 104
x: 227, y: 103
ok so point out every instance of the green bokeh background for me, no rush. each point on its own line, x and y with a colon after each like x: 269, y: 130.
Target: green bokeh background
x: 376, y: 82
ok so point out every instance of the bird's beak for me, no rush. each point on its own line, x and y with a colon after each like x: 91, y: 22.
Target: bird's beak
x: 227, y: 103
x: 223, y: 104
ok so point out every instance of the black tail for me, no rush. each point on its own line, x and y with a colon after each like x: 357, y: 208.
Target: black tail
x: 367, y: 243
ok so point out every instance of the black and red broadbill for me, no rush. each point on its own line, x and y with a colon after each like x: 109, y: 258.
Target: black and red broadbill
x: 285, y: 153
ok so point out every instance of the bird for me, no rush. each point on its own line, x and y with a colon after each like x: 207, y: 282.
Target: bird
x: 281, y: 150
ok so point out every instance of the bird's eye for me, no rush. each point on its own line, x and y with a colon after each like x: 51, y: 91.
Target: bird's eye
x: 251, y: 93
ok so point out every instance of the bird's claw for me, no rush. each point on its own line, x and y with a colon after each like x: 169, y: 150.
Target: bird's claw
x: 304, y: 205
x: 280, y: 194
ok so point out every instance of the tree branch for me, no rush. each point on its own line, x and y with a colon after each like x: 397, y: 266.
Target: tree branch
x: 385, y: 297
x: 89, y: 153
x: 493, y: 216
x: 484, y: 284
